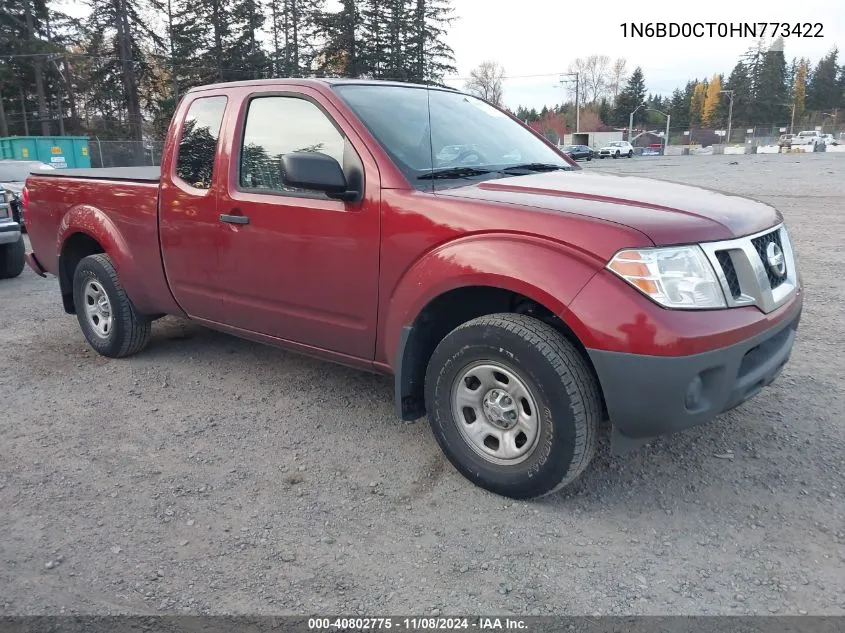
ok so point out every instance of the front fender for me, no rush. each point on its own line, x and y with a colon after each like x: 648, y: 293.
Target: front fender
x: 547, y: 272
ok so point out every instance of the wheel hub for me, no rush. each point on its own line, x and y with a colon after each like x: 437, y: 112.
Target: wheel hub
x: 98, y: 309
x: 499, y: 407
x: 495, y: 412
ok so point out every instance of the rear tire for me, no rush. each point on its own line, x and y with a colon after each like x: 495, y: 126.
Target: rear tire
x: 109, y: 320
x: 513, y: 405
x: 12, y: 259
x: 630, y: 153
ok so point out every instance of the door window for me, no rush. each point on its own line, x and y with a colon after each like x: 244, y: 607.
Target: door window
x: 276, y: 126
x: 198, y: 145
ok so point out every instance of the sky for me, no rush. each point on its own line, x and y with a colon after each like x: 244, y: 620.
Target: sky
x: 540, y: 38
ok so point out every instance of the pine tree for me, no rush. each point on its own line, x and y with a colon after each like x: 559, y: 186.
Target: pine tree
x: 430, y: 58
x: 770, y: 92
x: 120, y: 38
x: 245, y: 56
x: 823, y: 90
x: 679, y: 109
x: 296, y: 26
x: 342, y: 52
x: 630, y: 98
x: 739, y: 81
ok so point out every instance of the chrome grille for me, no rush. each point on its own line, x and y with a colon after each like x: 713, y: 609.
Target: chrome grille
x: 746, y: 278
x: 761, y: 244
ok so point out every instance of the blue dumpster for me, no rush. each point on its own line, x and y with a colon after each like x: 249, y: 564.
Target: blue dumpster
x: 58, y: 151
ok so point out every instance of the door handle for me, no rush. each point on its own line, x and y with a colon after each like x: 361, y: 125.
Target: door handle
x: 234, y: 219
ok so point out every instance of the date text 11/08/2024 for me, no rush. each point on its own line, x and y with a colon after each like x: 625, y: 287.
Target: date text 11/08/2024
x: 431, y: 623
x: 722, y: 29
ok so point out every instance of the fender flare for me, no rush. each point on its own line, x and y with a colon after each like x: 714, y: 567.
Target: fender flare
x: 546, y: 272
x: 90, y: 221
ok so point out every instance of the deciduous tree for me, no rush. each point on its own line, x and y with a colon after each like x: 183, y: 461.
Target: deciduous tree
x: 486, y: 81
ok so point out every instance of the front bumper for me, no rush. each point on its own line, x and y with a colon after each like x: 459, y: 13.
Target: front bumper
x: 10, y: 232
x: 647, y: 396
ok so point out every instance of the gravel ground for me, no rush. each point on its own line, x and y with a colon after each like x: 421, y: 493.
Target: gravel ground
x: 212, y: 475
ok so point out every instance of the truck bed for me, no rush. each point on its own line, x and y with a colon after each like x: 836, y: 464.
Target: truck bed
x: 119, y: 206
x: 133, y: 174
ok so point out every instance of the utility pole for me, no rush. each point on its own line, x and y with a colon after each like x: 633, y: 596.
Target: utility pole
x: 730, y: 93
x: 561, y: 81
x: 23, y: 114
x: 631, y: 121
x: 668, y: 118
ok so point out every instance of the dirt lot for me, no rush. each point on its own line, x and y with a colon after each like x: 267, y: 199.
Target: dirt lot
x: 211, y: 475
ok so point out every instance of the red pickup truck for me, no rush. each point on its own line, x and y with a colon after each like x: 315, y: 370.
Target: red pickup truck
x: 518, y: 300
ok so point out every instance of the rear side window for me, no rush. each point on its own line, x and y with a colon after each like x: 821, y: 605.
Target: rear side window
x: 198, y: 145
x: 276, y: 126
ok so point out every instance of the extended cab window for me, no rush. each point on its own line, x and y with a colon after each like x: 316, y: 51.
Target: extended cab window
x: 276, y: 126
x: 195, y: 164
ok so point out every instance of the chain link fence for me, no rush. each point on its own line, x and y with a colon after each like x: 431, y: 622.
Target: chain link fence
x: 124, y: 153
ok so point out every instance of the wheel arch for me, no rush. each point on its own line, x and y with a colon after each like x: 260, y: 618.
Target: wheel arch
x: 74, y: 248
x: 442, y: 314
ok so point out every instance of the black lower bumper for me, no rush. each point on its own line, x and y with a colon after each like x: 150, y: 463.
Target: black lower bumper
x: 647, y: 396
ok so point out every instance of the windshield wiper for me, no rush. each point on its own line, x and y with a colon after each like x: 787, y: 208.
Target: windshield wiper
x: 454, y: 172
x: 535, y: 167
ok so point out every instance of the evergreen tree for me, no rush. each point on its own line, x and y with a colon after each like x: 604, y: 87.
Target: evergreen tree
x: 630, y: 98
x: 679, y: 107
x: 770, y: 92
x: 823, y: 92
x: 245, y: 58
x: 739, y: 81
x: 342, y: 53
x: 120, y: 39
x: 604, y: 111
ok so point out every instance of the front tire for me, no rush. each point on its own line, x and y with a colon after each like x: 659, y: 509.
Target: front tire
x: 12, y: 259
x: 109, y: 320
x: 589, y: 158
x: 616, y: 155
x: 513, y: 405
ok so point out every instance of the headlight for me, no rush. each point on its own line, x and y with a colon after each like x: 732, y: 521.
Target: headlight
x: 674, y: 277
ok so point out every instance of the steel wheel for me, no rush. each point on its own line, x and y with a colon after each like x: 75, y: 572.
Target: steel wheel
x: 98, y: 309
x: 496, y: 413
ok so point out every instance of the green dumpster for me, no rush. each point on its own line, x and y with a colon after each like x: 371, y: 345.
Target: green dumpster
x: 58, y: 151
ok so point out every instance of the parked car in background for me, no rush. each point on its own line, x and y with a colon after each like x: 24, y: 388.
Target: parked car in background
x: 810, y: 140
x: 13, y: 175
x: 829, y: 139
x: 617, y: 149
x: 12, y: 252
x: 785, y: 140
x: 578, y: 152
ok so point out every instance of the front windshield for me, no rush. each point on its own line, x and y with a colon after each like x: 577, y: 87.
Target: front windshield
x: 426, y: 130
x: 617, y: 144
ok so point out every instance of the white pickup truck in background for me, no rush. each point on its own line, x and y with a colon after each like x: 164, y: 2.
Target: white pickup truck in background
x: 809, y: 140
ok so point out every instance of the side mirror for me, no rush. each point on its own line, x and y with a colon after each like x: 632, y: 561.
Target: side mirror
x: 318, y: 172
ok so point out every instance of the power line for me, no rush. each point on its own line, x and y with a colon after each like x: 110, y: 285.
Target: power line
x: 509, y: 76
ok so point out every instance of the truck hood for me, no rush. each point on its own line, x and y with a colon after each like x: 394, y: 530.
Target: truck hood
x: 666, y: 212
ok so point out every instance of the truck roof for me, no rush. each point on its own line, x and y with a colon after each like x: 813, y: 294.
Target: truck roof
x: 316, y: 81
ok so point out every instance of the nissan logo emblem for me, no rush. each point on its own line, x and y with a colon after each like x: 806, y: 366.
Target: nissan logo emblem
x: 775, y: 259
